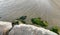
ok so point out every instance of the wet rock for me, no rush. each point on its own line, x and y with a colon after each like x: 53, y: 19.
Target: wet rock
x: 24, y: 29
x: 4, y: 27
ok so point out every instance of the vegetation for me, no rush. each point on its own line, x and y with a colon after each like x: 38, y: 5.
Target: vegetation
x: 21, y: 19
x: 15, y: 23
x: 38, y: 21
x: 55, y: 29
x: 44, y: 24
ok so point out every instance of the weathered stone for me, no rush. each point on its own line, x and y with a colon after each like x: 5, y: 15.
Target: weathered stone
x: 4, y: 27
x: 24, y: 29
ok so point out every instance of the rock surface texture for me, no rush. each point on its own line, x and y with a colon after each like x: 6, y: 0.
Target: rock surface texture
x: 48, y: 10
x: 4, y: 27
x: 24, y: 29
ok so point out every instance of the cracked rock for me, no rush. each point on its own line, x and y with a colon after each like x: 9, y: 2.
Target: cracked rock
x: 4, y: 27
x: 24, y: 29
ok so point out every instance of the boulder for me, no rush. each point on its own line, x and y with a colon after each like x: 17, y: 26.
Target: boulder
x: 24, y: 29
x: 4, y: 27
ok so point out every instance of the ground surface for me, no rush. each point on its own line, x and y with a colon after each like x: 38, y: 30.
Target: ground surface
x: 46, y: 9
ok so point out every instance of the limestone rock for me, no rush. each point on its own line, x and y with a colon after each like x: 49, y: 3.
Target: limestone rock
x: 24, y: 29
x: 4, y: 27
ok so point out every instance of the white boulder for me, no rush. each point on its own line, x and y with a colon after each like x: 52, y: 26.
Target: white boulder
x: 4, y: 27
x: 24, y: 29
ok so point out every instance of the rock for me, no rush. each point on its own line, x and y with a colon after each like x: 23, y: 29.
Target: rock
x: 24, y: 29
x: 4, y: 27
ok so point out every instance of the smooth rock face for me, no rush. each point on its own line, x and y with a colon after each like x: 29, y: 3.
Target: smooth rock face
x: 24, y: 29
x: 4, y: 27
